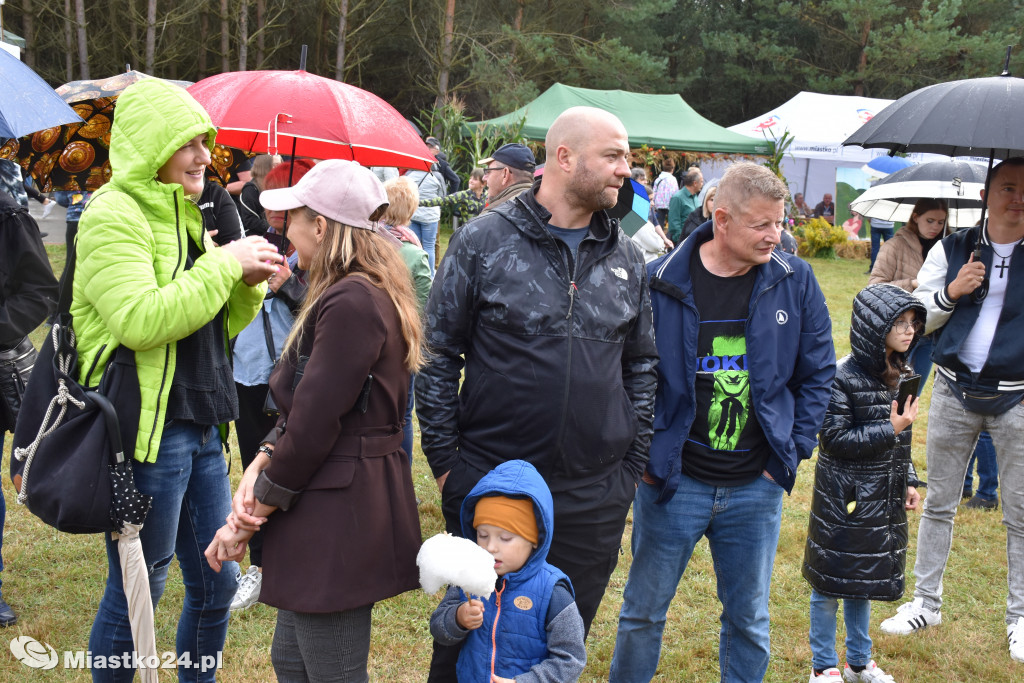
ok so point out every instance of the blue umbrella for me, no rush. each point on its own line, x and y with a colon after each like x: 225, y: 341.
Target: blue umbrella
x: 632, y: 207
x: 881, y: 166
x: 28, y: 104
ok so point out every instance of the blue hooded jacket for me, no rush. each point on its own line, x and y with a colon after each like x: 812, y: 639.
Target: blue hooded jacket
x: 792, y: 360
x: 516, y: 613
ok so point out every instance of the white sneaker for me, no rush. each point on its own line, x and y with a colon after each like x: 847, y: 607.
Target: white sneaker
x: 872, y: 673
x: 912, y: 616
x: 248, y: 589
x: 827, y: 676
x: 1015, y: 634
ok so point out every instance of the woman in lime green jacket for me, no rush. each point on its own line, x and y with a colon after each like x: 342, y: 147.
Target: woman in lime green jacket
x: 149, y: 279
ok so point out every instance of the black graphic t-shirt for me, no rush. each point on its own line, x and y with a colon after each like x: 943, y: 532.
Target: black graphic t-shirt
x: 726, y: 446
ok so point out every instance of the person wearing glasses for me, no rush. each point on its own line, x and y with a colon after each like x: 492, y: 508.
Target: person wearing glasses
x: 967, y: 284
x: 508, y: 173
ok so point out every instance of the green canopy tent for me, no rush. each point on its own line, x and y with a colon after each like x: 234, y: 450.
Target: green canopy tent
x: 653, y: 120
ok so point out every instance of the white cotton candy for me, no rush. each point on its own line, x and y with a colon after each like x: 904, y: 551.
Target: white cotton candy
x: 449, y: 560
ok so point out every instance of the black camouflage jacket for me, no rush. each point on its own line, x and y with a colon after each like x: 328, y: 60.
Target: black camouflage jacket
x: 559, y: 358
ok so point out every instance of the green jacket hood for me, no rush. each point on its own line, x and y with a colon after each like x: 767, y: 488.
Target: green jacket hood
x: 152, y: 120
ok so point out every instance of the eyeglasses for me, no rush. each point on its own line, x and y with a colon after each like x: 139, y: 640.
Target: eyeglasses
x: 905, y: 326
x: 494, y: 168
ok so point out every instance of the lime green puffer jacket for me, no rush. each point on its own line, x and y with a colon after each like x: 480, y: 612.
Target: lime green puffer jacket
x: 130, y: 286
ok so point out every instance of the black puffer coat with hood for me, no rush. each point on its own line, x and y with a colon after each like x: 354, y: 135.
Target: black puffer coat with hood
x: 857, y: 536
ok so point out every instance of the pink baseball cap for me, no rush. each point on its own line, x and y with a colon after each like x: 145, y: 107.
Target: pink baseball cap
x: 341, y: 190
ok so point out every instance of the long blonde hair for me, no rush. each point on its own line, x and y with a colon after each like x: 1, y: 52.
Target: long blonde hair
x: 347, y: 251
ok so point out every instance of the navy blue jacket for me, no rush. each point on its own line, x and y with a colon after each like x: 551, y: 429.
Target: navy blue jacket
x: 790, y: 354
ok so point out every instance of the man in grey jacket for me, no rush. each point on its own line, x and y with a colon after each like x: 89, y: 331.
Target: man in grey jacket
x: 508, y: 173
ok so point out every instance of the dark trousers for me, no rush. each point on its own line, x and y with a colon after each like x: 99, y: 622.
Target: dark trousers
x: 589, y: 521
x: 252, y: 426
x: 314, y: 648
x: 878, y: 235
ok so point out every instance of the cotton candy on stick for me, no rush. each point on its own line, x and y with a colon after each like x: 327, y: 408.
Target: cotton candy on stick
x: 449, y: 560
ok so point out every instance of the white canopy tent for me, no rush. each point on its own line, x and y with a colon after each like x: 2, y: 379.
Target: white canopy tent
x: 819, y: 124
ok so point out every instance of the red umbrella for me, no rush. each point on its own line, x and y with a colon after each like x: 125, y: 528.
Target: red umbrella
x: 302, y: 114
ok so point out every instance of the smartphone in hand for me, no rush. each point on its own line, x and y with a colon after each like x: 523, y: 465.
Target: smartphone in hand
x: 909, y: 386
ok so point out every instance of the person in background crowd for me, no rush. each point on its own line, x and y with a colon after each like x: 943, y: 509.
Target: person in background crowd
x: 336, y: 473
x: 967, y: 283
x: 452, y: 181
x: 429, y: 185
x: 255, y: 353
x: 856, y: 547
x: 704, y: 211
x: 881, y: 232
x: 650, y: 237
x: 826, y: 209
x: 465, y: 204
x: 28, y: 294
x: 800, y: 208
x: 545, y: 281
x: 401, y: 206
x: 665, y: 185
x: 747, y: 363
x: 508, y: 172
x: 149, y: 278
x: 682, y: 203
x: 254, y: 220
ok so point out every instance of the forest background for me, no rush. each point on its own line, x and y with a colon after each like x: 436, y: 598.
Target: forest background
x: 731, y: 60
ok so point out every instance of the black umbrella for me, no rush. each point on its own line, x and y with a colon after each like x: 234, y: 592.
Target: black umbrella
x: 957, y: 182
x: 958, y: 118
x: 972, y: 117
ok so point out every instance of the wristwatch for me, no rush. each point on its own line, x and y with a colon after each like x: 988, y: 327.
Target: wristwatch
x: 266, y: 449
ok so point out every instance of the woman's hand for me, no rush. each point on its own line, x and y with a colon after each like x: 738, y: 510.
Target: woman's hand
x: 967, y: 280
x: 259, y: 258
x: 243, y: 505
x: 470, y: 614
x: 901, y: 422
x: 913, y: 499
x: 280, y: 277
x: 226, y: 546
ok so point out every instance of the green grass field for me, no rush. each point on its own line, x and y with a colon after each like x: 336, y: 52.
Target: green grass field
x: 55, y: 581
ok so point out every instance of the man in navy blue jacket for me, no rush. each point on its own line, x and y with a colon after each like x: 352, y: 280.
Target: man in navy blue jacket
x: 747, y: 363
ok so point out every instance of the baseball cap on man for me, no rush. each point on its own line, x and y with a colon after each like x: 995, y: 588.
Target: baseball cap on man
x: 514, y: 154
x: 341, y: 190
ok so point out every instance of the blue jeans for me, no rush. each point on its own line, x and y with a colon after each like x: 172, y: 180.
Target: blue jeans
x: 988, y: 469
x: 878, y: 235
x: 742, y: 527
x: 920, y: 358
x: 191, y: 498
x: 856, y: 615
x: 427, y: 232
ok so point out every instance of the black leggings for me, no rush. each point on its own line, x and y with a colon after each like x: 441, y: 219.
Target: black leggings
x: 252, y: 426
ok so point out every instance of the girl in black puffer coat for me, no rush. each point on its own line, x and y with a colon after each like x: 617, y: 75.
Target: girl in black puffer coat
x: 863, y: 484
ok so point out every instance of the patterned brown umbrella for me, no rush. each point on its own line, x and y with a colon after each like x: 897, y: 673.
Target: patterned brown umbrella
x: 75, y: 157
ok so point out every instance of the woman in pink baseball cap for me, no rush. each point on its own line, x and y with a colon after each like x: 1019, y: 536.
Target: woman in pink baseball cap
x: 331, y: 487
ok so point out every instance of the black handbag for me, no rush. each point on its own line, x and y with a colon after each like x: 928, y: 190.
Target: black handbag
x: 15, y: 369
x: 68, y: 436
x: 67, y: 459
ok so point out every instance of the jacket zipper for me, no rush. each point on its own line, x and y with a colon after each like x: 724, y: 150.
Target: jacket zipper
x: 494, y: 626
x: 167, y: 347
x: 573, y: 290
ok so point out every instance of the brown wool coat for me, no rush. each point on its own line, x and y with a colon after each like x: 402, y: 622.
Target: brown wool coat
x: 898, y: 260
x: 351, y: 536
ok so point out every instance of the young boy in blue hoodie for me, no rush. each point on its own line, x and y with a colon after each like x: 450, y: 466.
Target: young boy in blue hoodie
x: 529, y: 629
